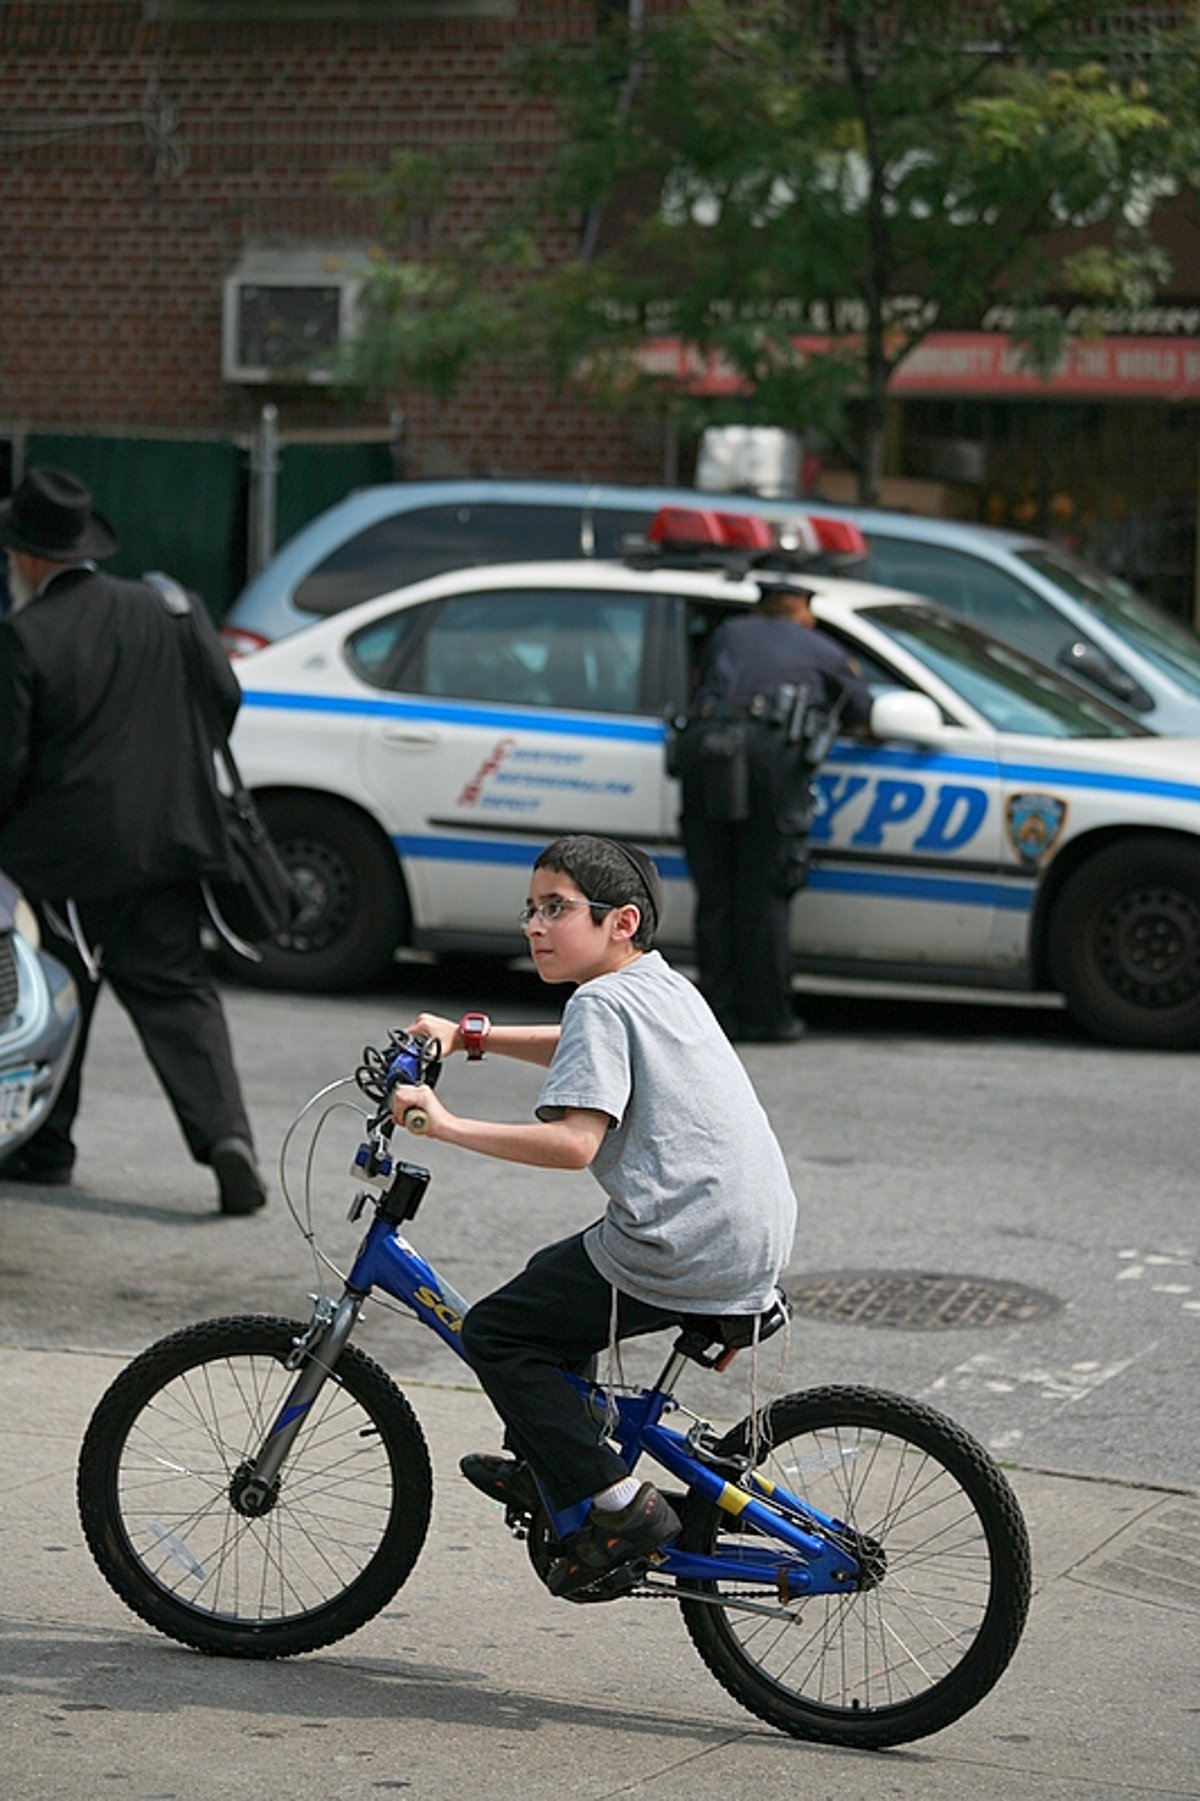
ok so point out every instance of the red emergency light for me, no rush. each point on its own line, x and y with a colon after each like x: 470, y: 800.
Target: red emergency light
x: 746, y: 531
x: 696, y: 527
x: 839, y: 537
x: 803, y: 536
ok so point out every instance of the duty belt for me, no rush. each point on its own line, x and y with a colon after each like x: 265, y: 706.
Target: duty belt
x: 758, y: 707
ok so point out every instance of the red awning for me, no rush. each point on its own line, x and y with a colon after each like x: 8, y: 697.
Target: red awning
x: 983, y: 363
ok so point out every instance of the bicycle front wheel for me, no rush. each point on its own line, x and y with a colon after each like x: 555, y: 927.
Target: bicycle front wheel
x: 945, y: 1556
x: 159, y: 1481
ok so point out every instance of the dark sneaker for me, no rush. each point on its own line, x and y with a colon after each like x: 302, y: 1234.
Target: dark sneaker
x: 240, y: 1187
x: 501, y: 1479
x: 27, y: 1166
x: 609, y: 1541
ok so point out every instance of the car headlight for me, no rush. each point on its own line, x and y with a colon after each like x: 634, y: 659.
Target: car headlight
x: 26, y: 922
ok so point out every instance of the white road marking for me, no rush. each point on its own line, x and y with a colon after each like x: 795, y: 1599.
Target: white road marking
x: 1071, y: 1382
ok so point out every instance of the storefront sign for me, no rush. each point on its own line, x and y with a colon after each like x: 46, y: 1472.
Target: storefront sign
x: 983, y: 363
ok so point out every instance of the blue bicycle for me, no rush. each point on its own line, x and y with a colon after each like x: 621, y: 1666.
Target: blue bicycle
x: 852, y: 1566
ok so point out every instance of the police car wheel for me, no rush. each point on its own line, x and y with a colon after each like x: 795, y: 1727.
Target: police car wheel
x: 1125, y: 944
x: 354, y: 910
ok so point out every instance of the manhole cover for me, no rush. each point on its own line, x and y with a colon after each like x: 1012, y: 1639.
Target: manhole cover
x: 915, y: 1300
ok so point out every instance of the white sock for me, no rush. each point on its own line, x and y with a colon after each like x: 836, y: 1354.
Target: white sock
x: 611, y: 1500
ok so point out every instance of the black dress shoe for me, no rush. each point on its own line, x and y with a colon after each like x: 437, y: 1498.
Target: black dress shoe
x: 240, y: 1187
x: 26, y: 1166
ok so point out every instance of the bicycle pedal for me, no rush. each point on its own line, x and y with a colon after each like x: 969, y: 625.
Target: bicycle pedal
x: 619, y: 1581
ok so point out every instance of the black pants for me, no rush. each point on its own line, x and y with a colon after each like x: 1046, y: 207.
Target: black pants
x: 555, y: 1315
x: 744, y: 876
x: 150, y: 953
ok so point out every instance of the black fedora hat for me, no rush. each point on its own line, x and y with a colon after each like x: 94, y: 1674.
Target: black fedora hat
x: 50, y: 515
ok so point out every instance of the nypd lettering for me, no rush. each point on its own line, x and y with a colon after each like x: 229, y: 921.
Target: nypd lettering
x: 866, y: 814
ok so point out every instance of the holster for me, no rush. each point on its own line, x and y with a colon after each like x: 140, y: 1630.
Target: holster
x: 723, y: 769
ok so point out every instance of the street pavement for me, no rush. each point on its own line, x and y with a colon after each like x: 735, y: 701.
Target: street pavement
x: 982, y: 1145
x: 474, y: 1682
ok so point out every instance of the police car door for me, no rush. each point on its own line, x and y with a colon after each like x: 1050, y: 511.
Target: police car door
x: 906, y: 845
x: 905, y: 857
x: 522, y: 719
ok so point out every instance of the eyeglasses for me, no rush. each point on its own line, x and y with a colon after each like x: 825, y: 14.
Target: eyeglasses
x: 547, y: 912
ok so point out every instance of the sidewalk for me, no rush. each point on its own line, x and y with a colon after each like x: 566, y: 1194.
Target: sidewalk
x: 475, y: 1683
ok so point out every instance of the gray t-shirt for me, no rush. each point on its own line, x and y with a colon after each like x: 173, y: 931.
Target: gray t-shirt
x: 701, y: 1212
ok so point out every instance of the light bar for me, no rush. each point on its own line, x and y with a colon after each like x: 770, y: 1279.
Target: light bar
x: 711, y: 528
x: 696, y: 526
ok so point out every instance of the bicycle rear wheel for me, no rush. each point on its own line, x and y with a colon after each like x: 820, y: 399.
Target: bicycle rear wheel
x: 158, y: 1488
x: 947, y: 1555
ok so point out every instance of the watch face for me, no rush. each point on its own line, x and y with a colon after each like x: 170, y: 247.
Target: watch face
x: 474, y: 1022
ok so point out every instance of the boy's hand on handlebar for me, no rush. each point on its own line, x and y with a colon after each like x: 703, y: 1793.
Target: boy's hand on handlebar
x: 420, y: 1100
x: 432, y: 1025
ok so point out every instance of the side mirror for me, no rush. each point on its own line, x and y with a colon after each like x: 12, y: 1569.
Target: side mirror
x: 1086, y: 661
x: 902, y: 713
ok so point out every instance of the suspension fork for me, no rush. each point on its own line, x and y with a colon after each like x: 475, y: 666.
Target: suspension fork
x: 315, y: 1355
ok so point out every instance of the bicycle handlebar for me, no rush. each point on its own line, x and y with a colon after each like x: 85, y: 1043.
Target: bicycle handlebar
x: 409, y: 1057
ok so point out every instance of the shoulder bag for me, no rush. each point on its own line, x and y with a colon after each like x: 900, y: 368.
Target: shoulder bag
x: 258, y: 900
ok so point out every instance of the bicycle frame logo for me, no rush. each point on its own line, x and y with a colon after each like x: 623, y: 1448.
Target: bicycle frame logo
x: 432, y: 1302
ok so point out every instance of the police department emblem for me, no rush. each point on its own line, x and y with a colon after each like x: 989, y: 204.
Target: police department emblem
x: 1035, y: 822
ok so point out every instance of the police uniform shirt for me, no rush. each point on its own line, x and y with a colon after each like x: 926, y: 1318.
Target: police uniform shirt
x: 752, y: 655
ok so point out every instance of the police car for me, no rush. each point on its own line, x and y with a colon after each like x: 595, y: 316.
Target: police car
x: 39, y: 1022
x: 1001, y: 827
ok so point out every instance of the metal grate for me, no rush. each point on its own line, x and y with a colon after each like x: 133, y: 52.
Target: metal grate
x: 10, y: 981
x: 915, y: 1300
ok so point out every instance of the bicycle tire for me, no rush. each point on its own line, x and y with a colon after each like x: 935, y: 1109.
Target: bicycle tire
x: 932, y: 1633
x: 158, y: 1474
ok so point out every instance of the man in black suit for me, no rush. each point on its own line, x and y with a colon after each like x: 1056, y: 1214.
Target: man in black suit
x: 109, y: 817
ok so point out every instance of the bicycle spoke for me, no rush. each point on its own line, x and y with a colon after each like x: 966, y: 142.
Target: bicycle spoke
x: 930, y: 1627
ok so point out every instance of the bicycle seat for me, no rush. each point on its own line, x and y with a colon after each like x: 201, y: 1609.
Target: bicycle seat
x: 731, y: 1332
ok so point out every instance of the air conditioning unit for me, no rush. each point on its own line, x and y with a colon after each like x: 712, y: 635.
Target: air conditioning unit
x: 284, y: 317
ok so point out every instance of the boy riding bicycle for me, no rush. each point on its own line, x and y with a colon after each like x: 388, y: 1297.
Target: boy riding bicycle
x: 644, y: 1089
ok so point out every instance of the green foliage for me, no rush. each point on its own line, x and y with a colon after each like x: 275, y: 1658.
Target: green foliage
x: 749, y: 171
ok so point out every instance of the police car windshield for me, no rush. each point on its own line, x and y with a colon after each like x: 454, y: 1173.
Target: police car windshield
x: 1170, y: 646
x: 1013, y: 693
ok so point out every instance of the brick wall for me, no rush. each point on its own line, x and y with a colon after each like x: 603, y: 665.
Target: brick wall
x: 144, y: 147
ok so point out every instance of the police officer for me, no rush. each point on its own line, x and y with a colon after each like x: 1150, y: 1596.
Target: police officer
x: 746, y: 759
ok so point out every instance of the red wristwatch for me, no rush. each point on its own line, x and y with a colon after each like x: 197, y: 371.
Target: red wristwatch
x: 474, y: 1028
